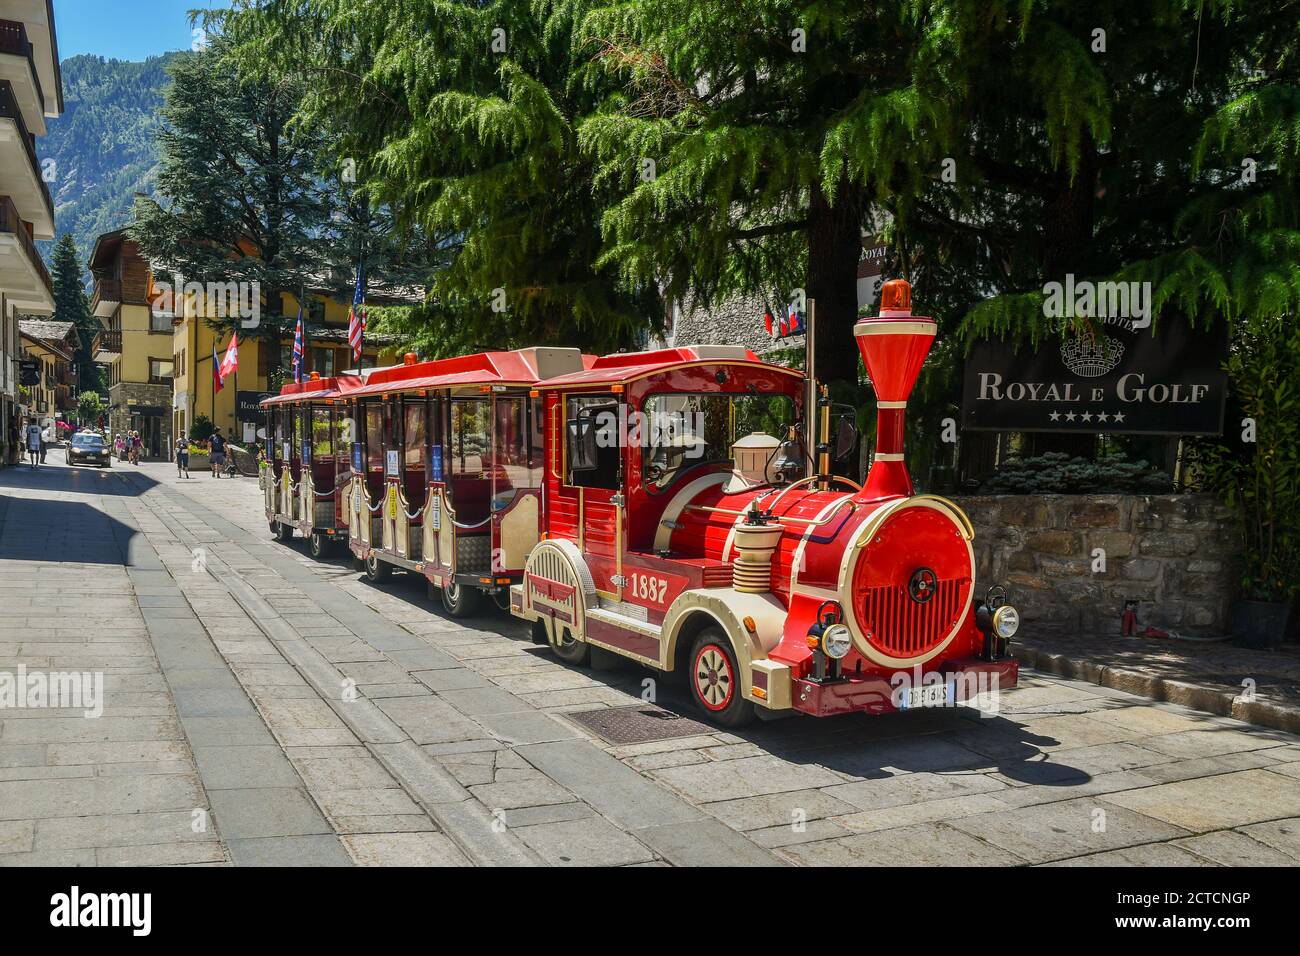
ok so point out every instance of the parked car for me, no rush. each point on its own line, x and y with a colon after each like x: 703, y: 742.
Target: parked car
x: 89, y: 448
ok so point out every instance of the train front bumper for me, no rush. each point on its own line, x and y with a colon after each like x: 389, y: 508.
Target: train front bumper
x: 962, y: 681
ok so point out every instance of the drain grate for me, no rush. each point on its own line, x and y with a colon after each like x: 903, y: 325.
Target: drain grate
x: 638, y: 724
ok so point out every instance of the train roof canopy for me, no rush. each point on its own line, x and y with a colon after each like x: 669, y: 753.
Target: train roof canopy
x: 336, y: 386
x: 624, y: 367
x: 522, y: 367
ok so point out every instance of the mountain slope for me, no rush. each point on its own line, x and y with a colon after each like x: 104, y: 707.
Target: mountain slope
x: 103, y: 145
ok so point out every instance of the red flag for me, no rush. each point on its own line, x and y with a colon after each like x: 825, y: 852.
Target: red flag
x: 767, y: 322
x: 231, y: 362
x: 785, y: 329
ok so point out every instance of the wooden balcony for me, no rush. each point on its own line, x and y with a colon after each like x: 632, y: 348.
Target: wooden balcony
x: 11, y: 222
x: 9, y: 110
x: 13, y: 40
x: 110, y: 344
x: 106, y: 298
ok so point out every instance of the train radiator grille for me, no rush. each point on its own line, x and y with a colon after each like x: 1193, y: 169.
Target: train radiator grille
x: 898, y: 626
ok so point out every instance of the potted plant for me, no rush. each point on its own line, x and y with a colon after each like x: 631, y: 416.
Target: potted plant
x: 1257, y: 472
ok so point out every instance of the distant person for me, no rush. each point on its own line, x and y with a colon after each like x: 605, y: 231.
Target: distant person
x: 136, y: 448
x: 46, y: 438
x: 217, y: 452
x: 182, y: 457
x: 33, y: 439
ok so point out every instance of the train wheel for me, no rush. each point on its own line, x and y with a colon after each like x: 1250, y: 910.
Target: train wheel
x: 319, y: 546
x: 460, y: 600
x: 567, y: 648
x: 283, y: 531
x: 715, y: 680
x: 377, y: 570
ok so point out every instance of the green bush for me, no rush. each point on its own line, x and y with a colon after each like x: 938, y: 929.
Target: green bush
x: 1259, y: 475
x: 1058, y: 473
x: 202, y: 428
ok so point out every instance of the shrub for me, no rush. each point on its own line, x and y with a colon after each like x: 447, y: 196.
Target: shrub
x: 1259, y: 476
x: 1058, y: 473
x: 202, y: 428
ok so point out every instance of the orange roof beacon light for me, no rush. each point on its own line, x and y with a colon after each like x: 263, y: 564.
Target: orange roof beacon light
x: 894, y: 346
x: 409, y: 358
x: 315, y: 376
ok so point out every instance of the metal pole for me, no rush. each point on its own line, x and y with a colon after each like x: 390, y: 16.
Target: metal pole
x: 810, y: 402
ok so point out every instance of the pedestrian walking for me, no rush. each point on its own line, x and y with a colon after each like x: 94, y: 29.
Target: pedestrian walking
x: 46, y: 438
x: 217, y: 452
x: 182, y: 457
x: 33, y: 439
x: 137, y: 447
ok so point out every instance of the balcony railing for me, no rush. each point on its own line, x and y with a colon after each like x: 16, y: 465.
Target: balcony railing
x: 13, y: 40
x: 10, y: 221
x: 111, y: 342
x: 9, y: 109
x: 108, y: 292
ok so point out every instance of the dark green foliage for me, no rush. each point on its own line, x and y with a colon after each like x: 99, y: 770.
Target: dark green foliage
x: 72, y: 305
x: 1057, y: 473
x: 201, y: 428
x: 1256, y: 469
x: 476, y: 147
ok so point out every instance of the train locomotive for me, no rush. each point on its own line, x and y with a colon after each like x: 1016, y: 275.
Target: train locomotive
x: 676, y: 507
x: 768, y: 592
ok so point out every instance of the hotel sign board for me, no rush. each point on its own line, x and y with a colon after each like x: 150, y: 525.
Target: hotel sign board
x: 1161, y: 380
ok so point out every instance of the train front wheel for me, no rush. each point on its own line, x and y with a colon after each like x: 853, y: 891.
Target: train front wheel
x: 567, y: 648
x: 714, y: 680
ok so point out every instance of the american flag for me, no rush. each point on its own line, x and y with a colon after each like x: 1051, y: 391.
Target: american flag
x: 297, y: 348
x: 356, y: 321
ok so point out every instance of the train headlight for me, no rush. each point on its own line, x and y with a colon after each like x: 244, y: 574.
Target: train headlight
x: 836, y: 641
x: 1006, y: 621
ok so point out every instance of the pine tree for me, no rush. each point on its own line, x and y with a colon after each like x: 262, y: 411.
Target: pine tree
x: 243, y: 200
x: 72, y: 305
x: 461, y: 119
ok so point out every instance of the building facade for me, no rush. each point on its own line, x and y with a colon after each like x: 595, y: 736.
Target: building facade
x: 263, y: 362
x: 135, y: 343
x: 31, y: 91
x: 52, y: 347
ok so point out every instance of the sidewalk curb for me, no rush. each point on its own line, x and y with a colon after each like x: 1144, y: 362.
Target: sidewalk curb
x: 1213, y: 700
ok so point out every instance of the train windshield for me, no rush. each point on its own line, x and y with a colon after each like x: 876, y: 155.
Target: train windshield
x: 684, y: 431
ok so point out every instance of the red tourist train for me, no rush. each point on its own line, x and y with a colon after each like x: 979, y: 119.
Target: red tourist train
x: 665, y: 506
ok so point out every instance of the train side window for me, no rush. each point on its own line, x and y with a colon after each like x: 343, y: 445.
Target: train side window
x: 593, y: 441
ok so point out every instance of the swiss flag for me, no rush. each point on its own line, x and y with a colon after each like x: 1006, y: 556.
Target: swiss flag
x: 231, y: 362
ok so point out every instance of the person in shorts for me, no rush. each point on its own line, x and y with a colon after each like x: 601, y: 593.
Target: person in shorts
x: 217, y: 453
x: 182, y: 457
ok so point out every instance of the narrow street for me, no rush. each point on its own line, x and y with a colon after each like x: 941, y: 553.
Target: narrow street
x: 264, y: 708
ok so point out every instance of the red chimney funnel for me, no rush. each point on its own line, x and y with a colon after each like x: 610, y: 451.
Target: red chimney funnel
x: 894, y: 346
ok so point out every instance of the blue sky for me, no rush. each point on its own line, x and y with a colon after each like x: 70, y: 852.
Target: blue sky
x: 125, y: 29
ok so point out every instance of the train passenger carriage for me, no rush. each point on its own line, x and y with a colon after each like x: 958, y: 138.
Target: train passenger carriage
x: 689, y: 525
x: 309, y: 435
x: 447, y: 470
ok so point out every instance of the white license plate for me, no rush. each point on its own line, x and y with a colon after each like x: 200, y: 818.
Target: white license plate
x: 928, y: 695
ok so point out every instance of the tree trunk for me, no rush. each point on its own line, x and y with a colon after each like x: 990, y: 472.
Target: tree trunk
x: 834, y: 248
x: 1067, y: 242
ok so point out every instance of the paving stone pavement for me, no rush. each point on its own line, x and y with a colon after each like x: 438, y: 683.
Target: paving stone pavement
x: 262, y: 707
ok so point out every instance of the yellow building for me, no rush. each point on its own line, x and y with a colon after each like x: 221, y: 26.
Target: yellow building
x: 234, y: 409
x: 136, y: 343
x: 158, y: 344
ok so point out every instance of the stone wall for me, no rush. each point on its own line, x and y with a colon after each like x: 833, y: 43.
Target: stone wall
x: 141, y: 398
x: 1179, y: 555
